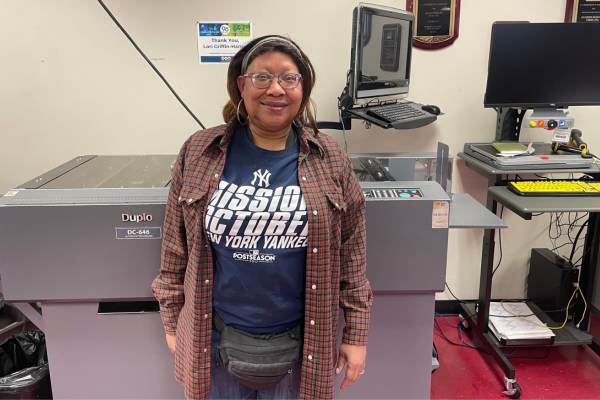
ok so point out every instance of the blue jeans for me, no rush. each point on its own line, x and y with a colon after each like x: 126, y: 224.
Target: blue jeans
x: 224, y: 386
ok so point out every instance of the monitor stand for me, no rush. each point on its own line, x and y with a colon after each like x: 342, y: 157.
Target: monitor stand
x: 508, y: 124
x: 344, y: 104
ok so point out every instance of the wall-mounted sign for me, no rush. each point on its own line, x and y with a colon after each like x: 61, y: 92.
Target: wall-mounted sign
x: 219, y: 41
x: 436, y: 22
x: 582, y: 11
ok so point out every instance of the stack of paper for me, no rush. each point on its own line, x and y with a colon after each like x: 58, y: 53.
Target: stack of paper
x: 510, y: 148
x: 506, y: 326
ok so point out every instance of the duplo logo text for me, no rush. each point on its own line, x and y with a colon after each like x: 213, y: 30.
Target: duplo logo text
x: 136, y: 218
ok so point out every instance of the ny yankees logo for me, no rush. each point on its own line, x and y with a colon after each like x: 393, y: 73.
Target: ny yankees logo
x: 263, y: 178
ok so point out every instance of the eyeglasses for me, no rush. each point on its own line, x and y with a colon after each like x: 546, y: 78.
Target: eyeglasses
x: 263, y: 81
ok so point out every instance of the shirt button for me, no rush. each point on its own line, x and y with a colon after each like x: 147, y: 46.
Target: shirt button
x: 303, y: 178
x: 312, y: 322
x: 179, y: 198
x: 309, y: 357
x: 315, y: 212
x: 190, y: 200
x: 216, y: 175
x: 205, y: 316
x: 315, y: 250
x: 314, y: 286
x: 337, y: 205
x: 206, y: 282
x: 204, y: 350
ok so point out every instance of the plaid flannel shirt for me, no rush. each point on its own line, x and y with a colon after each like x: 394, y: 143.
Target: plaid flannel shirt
x: 335, y: 264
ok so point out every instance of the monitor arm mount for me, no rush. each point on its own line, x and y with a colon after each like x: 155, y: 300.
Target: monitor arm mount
x: 508, y: 124
x: 345, y: 102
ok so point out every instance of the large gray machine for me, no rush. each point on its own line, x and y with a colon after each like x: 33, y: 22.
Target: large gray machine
x: 63, y: 242
x: 84, y: 240
x: 406, y: 266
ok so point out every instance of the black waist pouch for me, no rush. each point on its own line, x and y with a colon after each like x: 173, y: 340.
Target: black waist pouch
x: 258, y: 361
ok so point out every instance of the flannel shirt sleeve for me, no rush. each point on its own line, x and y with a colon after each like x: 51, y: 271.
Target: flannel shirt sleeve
x: 168, y: 286
x: 356, y: 296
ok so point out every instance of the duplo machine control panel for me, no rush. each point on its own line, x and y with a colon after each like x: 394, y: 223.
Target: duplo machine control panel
x: 402, y: 193
x: 402, y: 220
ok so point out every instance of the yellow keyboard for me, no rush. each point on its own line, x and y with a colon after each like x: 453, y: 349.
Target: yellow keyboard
x: 555, y: 188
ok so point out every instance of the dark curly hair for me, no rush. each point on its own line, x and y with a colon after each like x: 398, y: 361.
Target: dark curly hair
x: 307, y: 112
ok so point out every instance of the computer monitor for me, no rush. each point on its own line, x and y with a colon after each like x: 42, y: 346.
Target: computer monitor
x: 543, y: 65
x: 381, y: 50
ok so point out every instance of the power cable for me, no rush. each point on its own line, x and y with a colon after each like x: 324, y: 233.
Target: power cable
x: 500, y: 243
x: 576, y: 239
x: 455, y: 344
x: 459, y: 300
x: 343, y: 127
x: 540, y: 325
x: 584, y: 309
x: 149, y: 62
x: 581, y: 258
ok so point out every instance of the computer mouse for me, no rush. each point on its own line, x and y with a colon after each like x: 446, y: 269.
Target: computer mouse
x: 435, y: 110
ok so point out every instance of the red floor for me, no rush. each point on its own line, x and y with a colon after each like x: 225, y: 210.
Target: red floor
x: 571, y: 372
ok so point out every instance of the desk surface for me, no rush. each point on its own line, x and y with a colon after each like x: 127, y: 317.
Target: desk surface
x: 485, y: 169
x: 466, y: 212
x: 527, y: 204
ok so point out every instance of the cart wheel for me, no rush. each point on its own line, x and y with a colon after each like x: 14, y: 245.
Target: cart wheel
x: 517, y: 392
x: 513, y: 390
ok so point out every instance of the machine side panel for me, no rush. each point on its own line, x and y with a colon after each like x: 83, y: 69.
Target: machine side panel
x: 418, y: 262
x: 108, y: 356
x: 399, y: 349
x: 66, y: 252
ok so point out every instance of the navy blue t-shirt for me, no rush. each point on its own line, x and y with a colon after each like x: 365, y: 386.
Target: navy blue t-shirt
x: 257, y: 225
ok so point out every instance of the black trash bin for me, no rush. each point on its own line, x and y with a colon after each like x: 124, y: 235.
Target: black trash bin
x: 24, y: 372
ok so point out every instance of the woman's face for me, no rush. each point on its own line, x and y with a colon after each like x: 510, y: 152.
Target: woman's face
x: 272, y: 109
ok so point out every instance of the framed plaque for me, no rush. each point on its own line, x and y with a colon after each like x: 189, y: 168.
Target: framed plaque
x: 436, y: 22
x: 582, y: 11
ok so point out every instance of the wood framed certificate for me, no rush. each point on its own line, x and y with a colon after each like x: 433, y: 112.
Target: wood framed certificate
x: 436, y: 22
x: 582, y: 11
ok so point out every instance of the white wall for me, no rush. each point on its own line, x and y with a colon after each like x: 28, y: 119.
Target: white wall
x: 71, y: 84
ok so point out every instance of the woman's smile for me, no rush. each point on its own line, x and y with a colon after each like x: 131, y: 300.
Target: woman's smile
x: 274, y: 106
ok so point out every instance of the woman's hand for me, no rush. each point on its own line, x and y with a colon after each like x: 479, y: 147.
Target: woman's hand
x: 171, y: 342
x: 354, y: 356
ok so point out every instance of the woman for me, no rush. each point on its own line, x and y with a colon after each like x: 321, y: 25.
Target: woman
x: 264, y: 234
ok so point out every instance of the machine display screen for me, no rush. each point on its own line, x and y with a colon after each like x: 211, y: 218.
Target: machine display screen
x: 381, y: 42
x: 383, y: 62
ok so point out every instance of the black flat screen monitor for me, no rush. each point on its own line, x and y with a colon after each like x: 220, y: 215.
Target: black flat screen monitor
x: 381, y: 50
x: 544, y: 65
